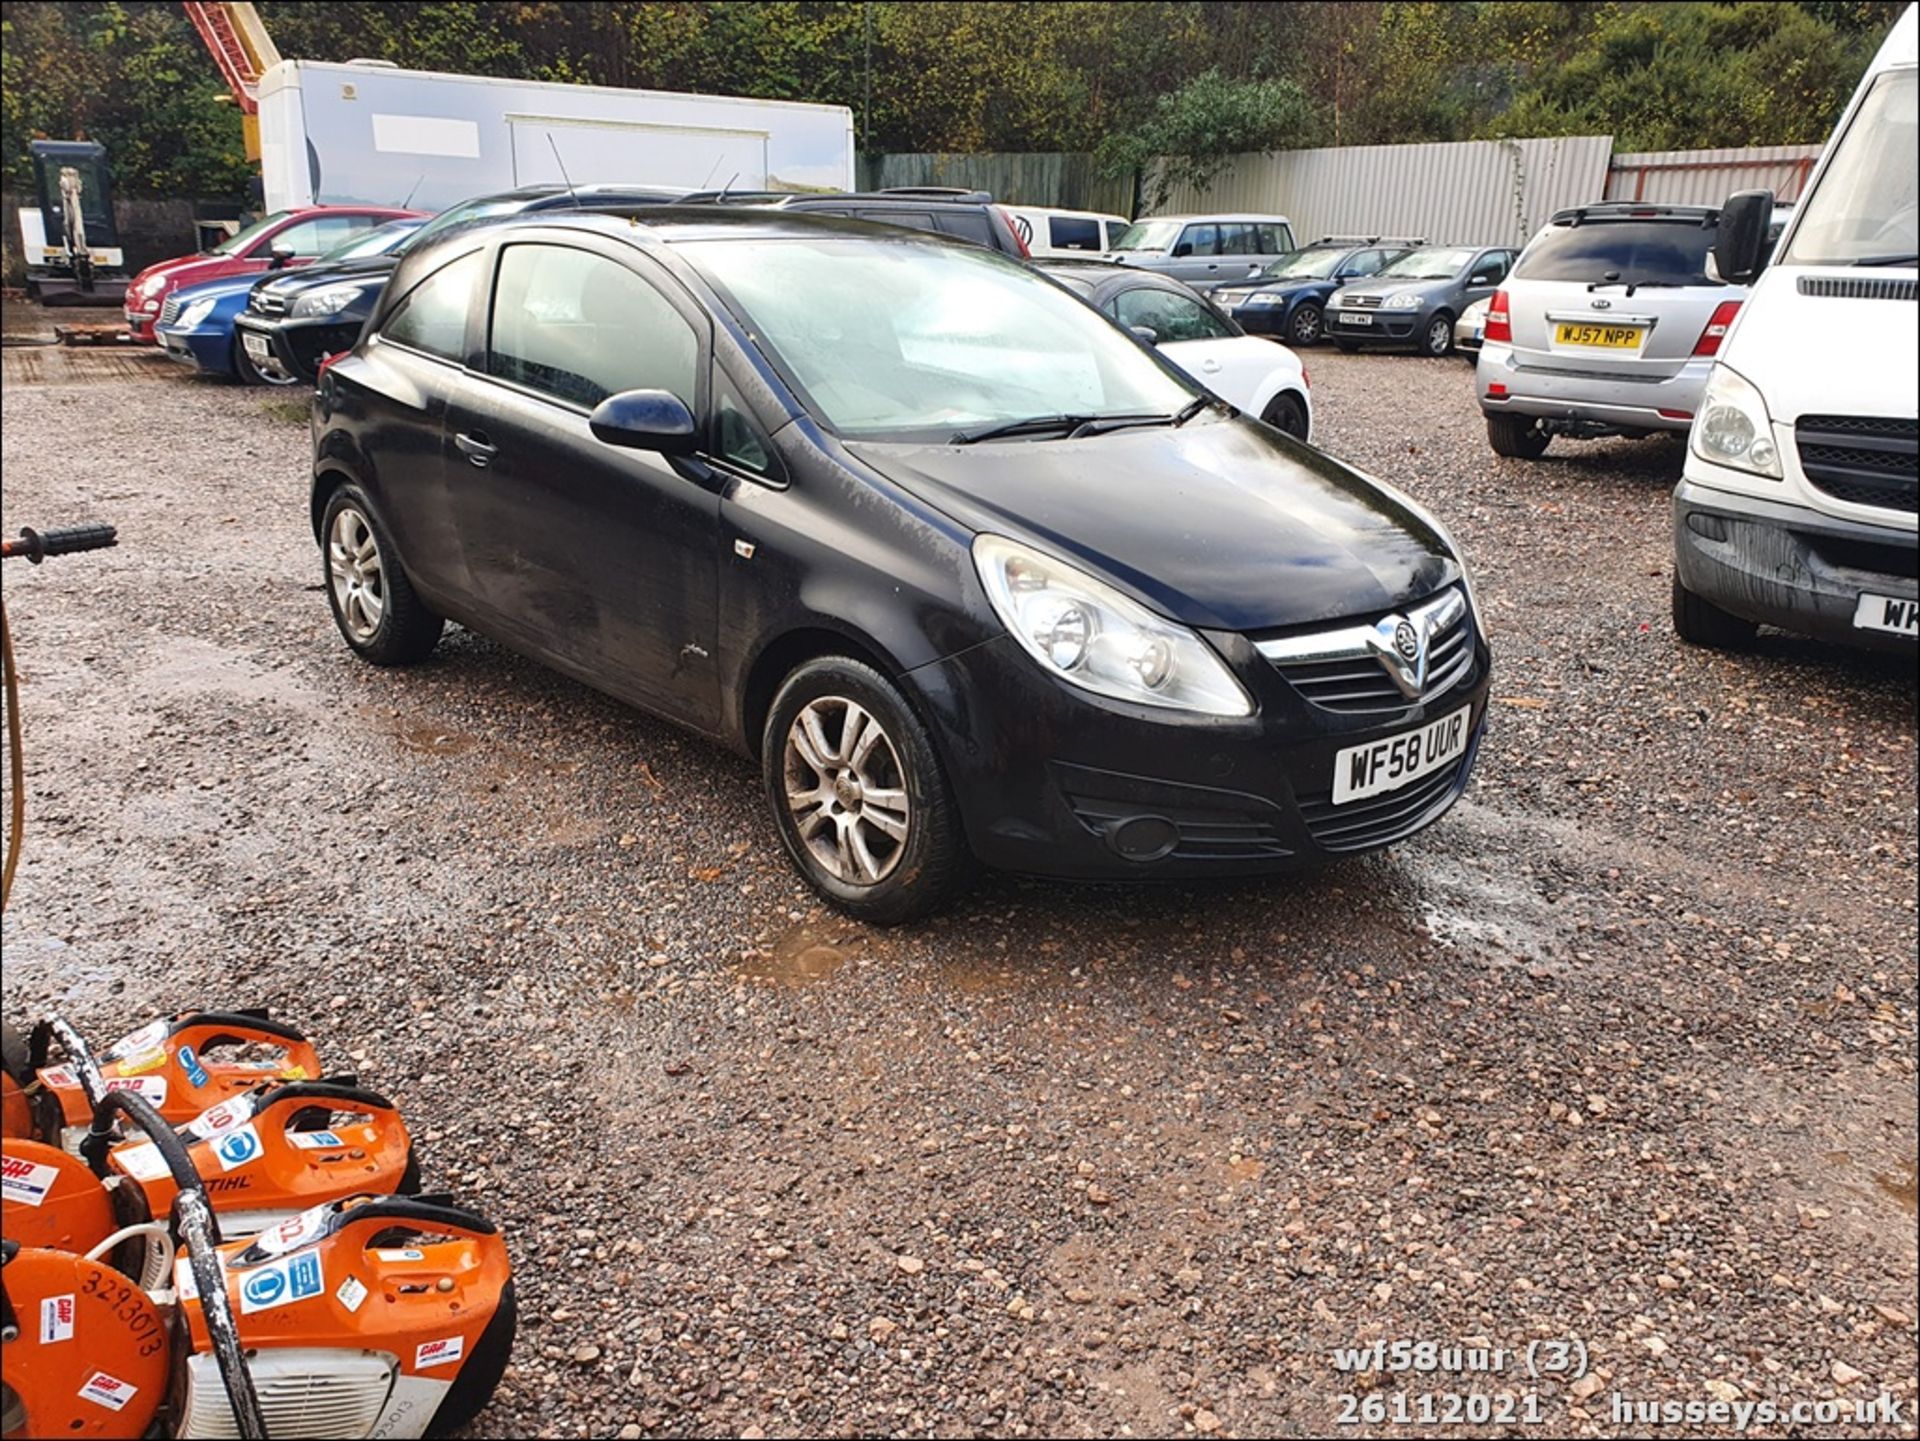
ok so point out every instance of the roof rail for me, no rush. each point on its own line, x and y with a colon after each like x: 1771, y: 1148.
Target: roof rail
x: 935, y: 192
x: 1371, y: 240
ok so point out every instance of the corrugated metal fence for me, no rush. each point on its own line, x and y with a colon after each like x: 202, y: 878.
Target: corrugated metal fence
x: 1039, y: 178
x: 1476, y: 192
x: 1708, y: 177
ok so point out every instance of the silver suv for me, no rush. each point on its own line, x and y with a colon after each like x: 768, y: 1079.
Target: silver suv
x: 1204, y: 250
x: 1607, y: 326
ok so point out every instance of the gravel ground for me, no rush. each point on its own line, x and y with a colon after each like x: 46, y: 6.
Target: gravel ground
x: 1622, y: 1051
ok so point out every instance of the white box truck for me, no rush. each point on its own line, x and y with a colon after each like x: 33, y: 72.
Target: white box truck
x: 371, y: 133
x: 1802, y: 481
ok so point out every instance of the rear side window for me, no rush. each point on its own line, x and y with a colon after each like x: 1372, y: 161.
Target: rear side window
x: 433, y: 317
x: 1237, y: 239
x: 1067, y: 232
x: 1115, y: 229
x: 1631, y: 252
x: 968, y: 225
x: 1276, y: 239
x: 579, y: 327
x: 910, y: 219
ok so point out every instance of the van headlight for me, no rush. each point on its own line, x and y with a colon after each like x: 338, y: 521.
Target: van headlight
x: 1733, y: 428
x: 1091, y: 636
x: 328, y: 299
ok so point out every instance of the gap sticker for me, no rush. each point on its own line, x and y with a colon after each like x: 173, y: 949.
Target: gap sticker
x: 143, y: 1161
x: 190, y: 1063
x: 282, y: 1282
x: 223, y: 1117
x: 151, y: 1036
x: 60, y: 1078
x: 315, y: 1140
x: 25, y: 1181
x: 237, y: 1148
x: 351, y: 1293
x: 154, y: 1088
x: 56, y: 1319
x: 439, y: 1353
x: 108, y: 1391
x: 409, y: 1254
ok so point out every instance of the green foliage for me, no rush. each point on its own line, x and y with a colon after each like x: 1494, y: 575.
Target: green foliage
x: 1203, y: 124
x: 1195, y: 81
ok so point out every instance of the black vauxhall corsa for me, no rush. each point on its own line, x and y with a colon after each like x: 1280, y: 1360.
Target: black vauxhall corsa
x: 967, y: 568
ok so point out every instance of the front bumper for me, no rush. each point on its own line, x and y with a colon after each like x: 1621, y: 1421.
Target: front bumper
x: 1784, y: 565
x: 1048, y: 778
x: 140, y: 323
x: 296, y: 345
x: 204, y: 347
x: 1590, y: 401
x: 1381, y: 325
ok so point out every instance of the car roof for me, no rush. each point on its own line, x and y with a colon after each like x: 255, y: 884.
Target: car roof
x: 668, y: 224
x: 1220, y: 215
x: 1619, y: 210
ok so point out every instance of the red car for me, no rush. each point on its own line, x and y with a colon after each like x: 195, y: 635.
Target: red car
x: 287, y: 237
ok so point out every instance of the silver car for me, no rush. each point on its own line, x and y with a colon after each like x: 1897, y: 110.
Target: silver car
x: 1608, y: 325
x: 1204, y: 250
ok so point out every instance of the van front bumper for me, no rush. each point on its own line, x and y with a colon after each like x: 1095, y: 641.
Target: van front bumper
x: 1784, y: 565
x: 1589, y: 402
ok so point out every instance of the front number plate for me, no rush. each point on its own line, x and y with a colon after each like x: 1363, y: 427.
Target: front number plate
x: 256, y: 346
x: 1387, y: 765
x: 1604, y: 337
x: 1885, y: 612
x: 1349, y: 318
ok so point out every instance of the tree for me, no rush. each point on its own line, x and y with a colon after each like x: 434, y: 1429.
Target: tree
x: 1196, y: 130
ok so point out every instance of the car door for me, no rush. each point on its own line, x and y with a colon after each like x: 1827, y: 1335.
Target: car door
x: 1483, y: 277
x: 306, y: 239
x: 1189, y: 333
x: 1193, y: 254
x: 597, y: 558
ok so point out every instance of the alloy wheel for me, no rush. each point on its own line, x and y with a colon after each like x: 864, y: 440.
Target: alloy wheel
x: 1306, y: 325
x: 846, y: 790
x: 355, y: 571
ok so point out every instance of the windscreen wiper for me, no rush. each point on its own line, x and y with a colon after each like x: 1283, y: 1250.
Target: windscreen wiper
x: 1102, y: 424
x: 1032, y: 425
x: 1908, y: 259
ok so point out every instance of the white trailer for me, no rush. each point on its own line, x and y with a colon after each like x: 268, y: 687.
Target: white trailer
x: 373, y: 134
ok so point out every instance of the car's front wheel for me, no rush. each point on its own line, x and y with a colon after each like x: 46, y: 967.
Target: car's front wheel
x: 1287, y: 413
x: 859, y: 796
x: 1519, y: 437
x: 372, y: 601
x: 1437, y: 339
x: 1304, y: 327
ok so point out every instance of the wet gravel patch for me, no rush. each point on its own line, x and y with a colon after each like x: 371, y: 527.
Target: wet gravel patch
x: 1622, y: 1051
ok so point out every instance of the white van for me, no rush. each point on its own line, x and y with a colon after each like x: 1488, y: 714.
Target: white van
x: 1047, y: 232
x: 1798, y: 503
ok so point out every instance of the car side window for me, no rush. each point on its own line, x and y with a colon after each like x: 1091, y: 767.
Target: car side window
x: 580, y: 327
x: 1072, y: 232
x: 1170, y: 316
x: 320, y: 234
x: 1238, y: 239
x: 968, y: 225
x: 1493, y: 265
x: 910, y: 219
x: 433, y: 317
x: 737, y: 437
x: 1199, y: 240
x: 1115, y: 229
x: 1365, y: 262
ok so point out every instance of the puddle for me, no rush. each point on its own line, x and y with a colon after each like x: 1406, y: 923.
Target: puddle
x: 1903, y: 1186
x: 431, y: 740
x: 805, y: 953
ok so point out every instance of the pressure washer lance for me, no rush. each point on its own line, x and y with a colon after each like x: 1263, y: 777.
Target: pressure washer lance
x: 35, y: 546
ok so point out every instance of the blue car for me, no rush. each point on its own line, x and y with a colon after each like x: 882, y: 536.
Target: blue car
x: 196, y: 326
x: 1288, y: 300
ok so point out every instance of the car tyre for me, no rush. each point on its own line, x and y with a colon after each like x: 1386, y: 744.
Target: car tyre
x: 1699, y: 621
x: 1437, y: 340
x: 859, y: 796
x: 1303, y: 328
x: 1287, y: 413
x: 373, y: 603
x: 251, y: 374
x: 1518, y: 437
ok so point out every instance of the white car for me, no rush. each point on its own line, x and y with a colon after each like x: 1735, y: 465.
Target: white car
x: 1048, y: 233
x: 1259, y: 376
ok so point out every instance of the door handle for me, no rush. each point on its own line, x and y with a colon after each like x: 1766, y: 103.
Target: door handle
x: 475, y: 448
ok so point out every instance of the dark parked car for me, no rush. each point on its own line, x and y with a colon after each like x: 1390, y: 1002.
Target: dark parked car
x: 1289, y: 298
x: 294, y: 321
x: 970, y: 570
x: 963, y: 214
x: 1415, y: 300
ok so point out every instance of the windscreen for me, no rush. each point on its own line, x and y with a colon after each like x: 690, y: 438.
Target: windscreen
x: 1150, y: 235
x: 234, y: 244
x: 1436, y: 264
x: 1304, y: 265
x: 907, y: 341
x: 1630, y: 252
x: 1865, y: 209
x: 382, y: 240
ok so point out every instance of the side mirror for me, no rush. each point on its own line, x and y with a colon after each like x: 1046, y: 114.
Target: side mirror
x: 1145, y: 334
x: 1185, y: 247
x: 280, y: 255
x: 645, y: 420
x: 1739, y: 250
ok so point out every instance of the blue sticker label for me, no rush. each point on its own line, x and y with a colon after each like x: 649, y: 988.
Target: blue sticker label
x: 236, y: 1148
x: 190, y: 1063
x: 264, y: 1289
x: 297, y: 1278
x: 303, y: 1277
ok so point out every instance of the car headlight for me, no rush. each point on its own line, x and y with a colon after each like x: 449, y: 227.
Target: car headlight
x: 1403, y: 300
x: 328, y: 299
x: 150, y: 304
x: 1335, y: 301
x: 1260, y: 297
x: 1092, y: 636
x: 191, y: 317
x: 1733, y: 428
